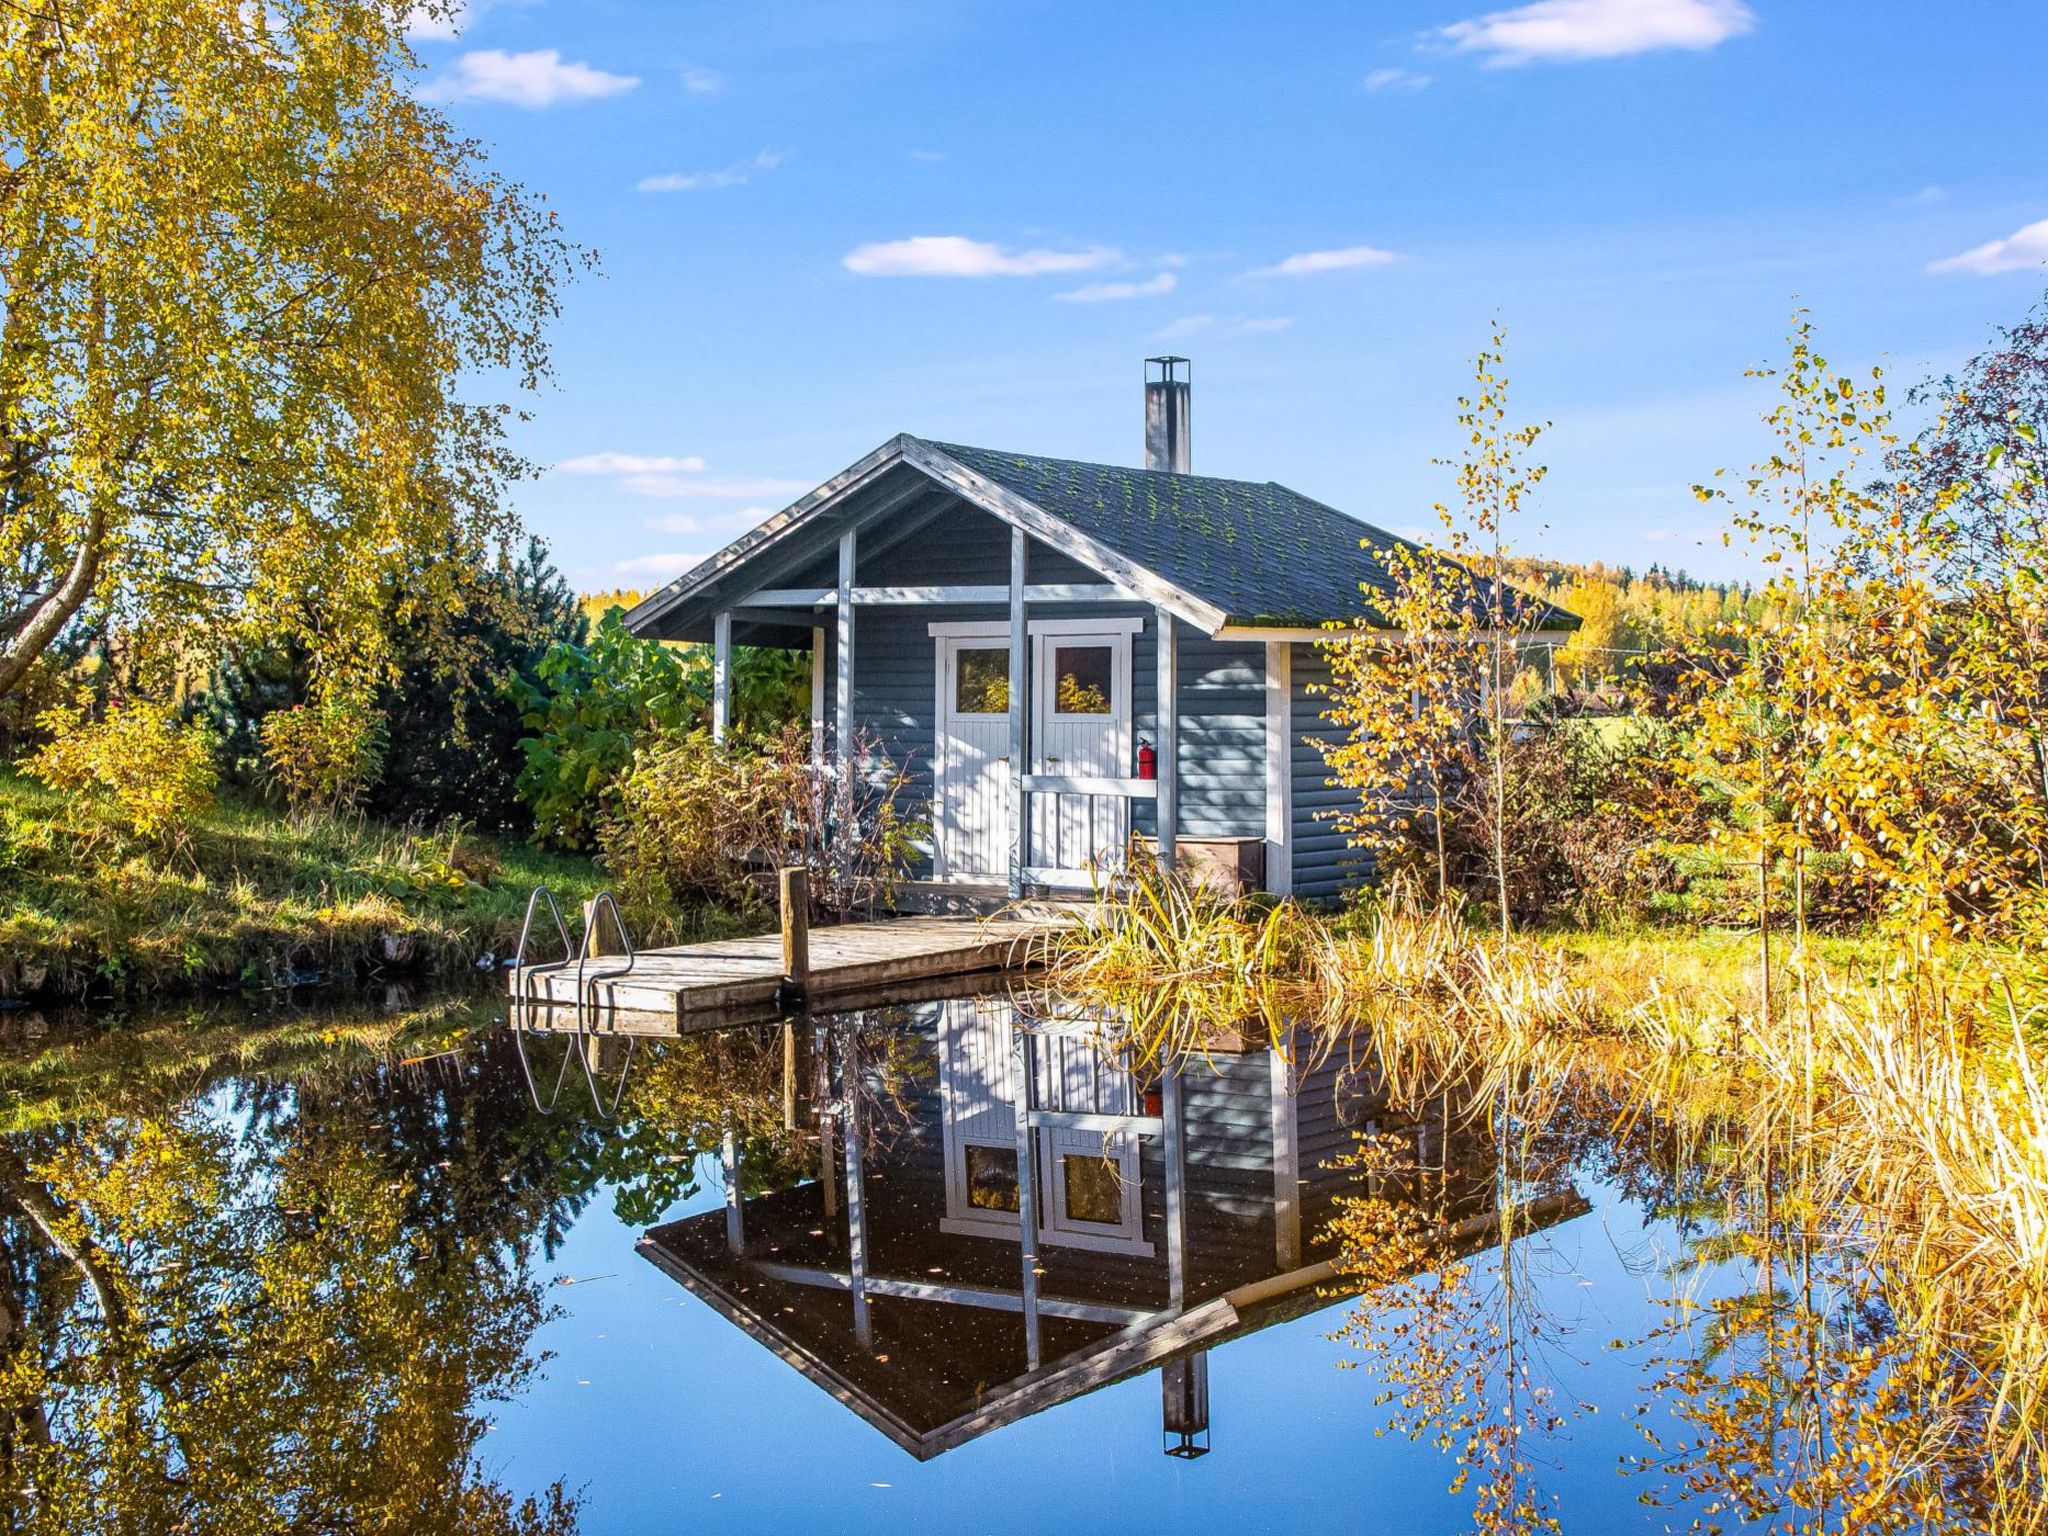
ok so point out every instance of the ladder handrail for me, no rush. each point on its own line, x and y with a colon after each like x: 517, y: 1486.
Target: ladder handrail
x: 586, y: 981
x: 579, y: 955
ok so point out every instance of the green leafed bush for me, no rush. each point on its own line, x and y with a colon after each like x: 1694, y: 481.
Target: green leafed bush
x: 594, y: 706
x: 154, y: 771
x: 324, y: 756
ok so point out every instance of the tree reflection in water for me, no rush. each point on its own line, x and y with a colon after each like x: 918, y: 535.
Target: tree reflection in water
x: 1796, y: 1384
x: 273, y: 1277
x: 271, y: 1302
x: 270, y: 1278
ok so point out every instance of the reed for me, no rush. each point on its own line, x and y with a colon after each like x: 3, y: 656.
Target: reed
x: 1899, y: 1121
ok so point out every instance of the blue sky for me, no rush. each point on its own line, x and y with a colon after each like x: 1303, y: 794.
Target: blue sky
x: 823, y: 222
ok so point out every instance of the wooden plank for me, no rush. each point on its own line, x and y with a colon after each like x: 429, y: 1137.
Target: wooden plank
x: 744, y: 974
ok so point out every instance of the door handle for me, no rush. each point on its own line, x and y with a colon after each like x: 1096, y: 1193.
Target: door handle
x: 1052, y: 759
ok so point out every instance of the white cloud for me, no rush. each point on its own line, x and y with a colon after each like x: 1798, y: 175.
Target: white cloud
x: 630, y: 464
x: 672, y: 477
x: 661, y: 568
x: 667, y: 487
x: 423, y: 26
x: 2018, y: 251
x: 705, y: 181
x: 1099, y: 293
x: 702, y: 82
x: 1395, y: 80
x: 1237, y: 325
x: 531, y: 80
x: 957, y: 256
x: 460, y: 16
x: 1563, y: 31
x: 1310, y: 263
x: 717, y: 522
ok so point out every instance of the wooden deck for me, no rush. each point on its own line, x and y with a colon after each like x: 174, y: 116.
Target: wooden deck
x: 694, y: 986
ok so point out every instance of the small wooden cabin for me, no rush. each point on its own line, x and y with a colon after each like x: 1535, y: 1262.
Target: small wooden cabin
x: 1062, y: 655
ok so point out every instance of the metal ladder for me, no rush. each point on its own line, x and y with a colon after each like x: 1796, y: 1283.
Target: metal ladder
x: 527, y: 1005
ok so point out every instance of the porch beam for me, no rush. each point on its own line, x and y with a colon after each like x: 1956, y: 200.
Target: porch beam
x: 906, y: 597
x: 988, y: 1297
x: 1169, y: 740
x: 721, y: 674
x: 1020, y: 638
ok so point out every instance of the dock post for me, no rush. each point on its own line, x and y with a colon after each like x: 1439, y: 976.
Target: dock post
x: 789, y: 1093
x: 796, y: 935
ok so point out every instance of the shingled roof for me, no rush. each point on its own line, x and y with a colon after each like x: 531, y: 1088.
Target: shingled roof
x: 1238, y: 554
x: 1266, y: 555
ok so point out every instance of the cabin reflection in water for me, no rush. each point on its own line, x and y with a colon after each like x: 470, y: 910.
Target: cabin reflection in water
x: 959, y: 1265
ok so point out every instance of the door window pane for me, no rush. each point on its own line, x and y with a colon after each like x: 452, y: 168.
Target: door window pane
x: 992, y: 1178
x: 1083, y: 679
x: 982, y: 683
x: 1095, y: 1191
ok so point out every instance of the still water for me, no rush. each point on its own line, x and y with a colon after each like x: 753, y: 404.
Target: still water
x: 397, y: 1267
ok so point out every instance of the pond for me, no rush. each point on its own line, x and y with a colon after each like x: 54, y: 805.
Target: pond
x: 398, y: 1267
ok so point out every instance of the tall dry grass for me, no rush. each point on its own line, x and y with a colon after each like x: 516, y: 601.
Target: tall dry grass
x: 1905, y: 1118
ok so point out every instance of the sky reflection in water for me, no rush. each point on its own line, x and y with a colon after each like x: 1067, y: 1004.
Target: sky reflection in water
x: 657, y: 1412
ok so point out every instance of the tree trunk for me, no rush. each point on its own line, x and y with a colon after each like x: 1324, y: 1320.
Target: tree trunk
x: 48, y: 618
x: 40, y: 1206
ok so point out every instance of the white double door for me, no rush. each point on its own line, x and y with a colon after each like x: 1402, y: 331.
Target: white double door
x: 1080, y: 727
x: 1088, y: 1182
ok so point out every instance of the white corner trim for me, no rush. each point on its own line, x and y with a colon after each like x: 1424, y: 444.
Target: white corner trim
x: 1279, y: 767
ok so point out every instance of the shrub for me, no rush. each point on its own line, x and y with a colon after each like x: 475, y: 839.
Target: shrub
x: 589, y: 709
x: 592, y: 707
x: 700, y: 820
x: 157, y: 771
x: 324, y: 756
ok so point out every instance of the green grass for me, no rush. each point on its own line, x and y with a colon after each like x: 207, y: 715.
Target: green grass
x: 251, y: 897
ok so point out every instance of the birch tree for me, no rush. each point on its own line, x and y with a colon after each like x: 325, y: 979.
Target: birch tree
x: 245, y: 269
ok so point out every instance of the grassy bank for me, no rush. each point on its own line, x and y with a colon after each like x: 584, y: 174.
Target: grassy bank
x: 249, y: 897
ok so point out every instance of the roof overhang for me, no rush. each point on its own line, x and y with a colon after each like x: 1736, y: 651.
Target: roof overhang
x: 884, y: 481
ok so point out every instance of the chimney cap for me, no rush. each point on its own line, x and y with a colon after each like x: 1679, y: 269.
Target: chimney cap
x: 1172, y: 370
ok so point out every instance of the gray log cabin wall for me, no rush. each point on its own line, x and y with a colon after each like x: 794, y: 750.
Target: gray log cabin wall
x: 1222, y: 702
x: 1324, y: 867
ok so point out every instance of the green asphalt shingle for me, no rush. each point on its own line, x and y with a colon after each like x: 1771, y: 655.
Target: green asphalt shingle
x: 1264, y: 554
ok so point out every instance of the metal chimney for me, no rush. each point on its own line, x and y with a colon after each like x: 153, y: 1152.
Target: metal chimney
x: 1166, y: 413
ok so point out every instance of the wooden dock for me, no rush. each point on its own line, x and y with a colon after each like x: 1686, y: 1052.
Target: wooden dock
x: 693, y: 986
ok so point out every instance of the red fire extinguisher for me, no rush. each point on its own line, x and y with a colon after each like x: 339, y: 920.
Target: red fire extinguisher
x: 1148, y: 761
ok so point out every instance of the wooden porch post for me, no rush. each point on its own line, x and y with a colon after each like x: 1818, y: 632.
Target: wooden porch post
x: 1286, y: 1166
x: 729, y: 1160
x: 1020, y: 804
x: 840, y: 857
x: 1176, y: 1190
x: 1169, y: 740
x: 817, y: 696
x: 721, y: 675
x: 856, y: 1189
x: 1027, y: 1187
